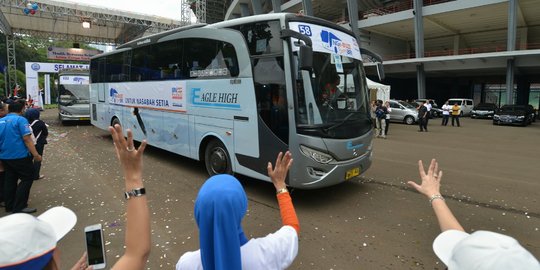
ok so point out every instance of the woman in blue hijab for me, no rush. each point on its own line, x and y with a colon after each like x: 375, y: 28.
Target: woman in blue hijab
x: 219, y: 209
x: 40, y: 131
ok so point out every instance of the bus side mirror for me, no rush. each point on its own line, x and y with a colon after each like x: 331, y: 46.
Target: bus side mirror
x: 305, y: 58
x: 380, y: 71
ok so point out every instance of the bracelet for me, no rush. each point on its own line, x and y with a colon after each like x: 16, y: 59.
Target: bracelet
x: 435, y: 197
x: 136, y: 192
x: 282, y: 190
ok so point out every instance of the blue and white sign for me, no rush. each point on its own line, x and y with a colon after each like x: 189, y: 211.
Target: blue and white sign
x: 75, y: 80
x: 328, y: 40
x: 150, y: 95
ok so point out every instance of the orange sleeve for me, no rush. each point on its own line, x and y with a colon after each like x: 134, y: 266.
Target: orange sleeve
x: 288, y: 214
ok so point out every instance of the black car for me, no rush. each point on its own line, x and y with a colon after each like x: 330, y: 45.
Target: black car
x: 512, y: 115
x: 484, y: 110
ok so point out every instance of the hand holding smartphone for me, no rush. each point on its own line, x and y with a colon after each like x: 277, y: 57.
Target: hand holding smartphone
x: 95, y: 247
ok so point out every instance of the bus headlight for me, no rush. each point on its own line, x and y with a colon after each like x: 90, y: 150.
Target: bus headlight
x: 316, y: 155
x: 64, y: 112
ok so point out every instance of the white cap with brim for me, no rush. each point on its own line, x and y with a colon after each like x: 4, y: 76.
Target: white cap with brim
x: 27, y: 242
x: 482, y: 250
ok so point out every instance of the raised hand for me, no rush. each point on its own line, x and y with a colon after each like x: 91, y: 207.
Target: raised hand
x: 129, y: 157
x: 431, y: 181
x: 279, y: 172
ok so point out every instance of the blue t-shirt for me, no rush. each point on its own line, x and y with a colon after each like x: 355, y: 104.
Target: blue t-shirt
x: 13, y: 128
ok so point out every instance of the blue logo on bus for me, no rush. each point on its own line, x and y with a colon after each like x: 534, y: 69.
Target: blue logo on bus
x: 115, y: 97
x: 35, y: 66
x: 334, y: 44
x: 201, y: 98
x: 350, y: 145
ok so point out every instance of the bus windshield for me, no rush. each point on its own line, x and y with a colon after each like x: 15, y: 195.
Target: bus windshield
x: 333, y: 103
x: 73, y: 90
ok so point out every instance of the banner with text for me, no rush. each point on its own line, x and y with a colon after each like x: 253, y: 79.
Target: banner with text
x: 73, y: 54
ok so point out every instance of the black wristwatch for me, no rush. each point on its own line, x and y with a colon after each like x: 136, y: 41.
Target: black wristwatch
x: 136, y: 192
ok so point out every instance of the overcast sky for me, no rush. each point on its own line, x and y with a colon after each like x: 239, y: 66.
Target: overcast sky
x: 163, y: 8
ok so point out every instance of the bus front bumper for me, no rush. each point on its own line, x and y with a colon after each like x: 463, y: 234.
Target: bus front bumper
x: 320, y: 176
x: 70, y: 117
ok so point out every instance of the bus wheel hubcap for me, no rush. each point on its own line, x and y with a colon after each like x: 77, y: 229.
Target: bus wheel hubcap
x: 219, y: 160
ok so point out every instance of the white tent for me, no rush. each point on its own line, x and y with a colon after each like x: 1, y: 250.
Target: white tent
x: 378, y: 90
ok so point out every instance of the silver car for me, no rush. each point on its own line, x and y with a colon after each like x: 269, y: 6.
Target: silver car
x: 403, y: 112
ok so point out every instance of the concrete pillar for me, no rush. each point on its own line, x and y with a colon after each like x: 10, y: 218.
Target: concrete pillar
x: 512, y: 23
x: 456, y: 44
x: 511, y: 46
x: 276, y: 6
x: 523, y: 90
x: 352, y: 5
x: 308, y: 7
x: 419, y: 47
x: 257, y: 7
x: 510, y: 66
x: 244, y: 10
x: 421, y: 81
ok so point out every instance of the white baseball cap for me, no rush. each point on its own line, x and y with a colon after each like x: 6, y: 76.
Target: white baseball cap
x: 27, y: 242
x: 482, y: 250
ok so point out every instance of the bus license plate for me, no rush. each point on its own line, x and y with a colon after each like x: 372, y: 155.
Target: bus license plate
x: 352, y: 173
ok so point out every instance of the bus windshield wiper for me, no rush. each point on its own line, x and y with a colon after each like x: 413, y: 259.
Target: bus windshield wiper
x: 340, y: 123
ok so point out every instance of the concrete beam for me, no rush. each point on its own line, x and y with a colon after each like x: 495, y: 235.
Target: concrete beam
x: 244, y: 10
x: 308, y: 7
x: 521, y: 18
x: 441, y: 25
x: 276, y: 6
x: 427, y: 11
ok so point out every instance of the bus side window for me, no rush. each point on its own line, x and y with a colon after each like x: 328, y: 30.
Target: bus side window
x: 212, y: 56
x: 138, y: 64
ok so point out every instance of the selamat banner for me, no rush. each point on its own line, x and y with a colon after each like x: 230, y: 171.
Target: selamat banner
x: 327, y: 40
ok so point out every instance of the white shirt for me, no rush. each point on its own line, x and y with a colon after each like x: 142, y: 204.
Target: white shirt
x: 389, y: 110
x: 446, y: 109
x: 428, y: 106
x: 275, y: 251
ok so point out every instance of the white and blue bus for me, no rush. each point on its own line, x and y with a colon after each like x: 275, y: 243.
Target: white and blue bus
x: 235, y: 93
x: 73, y: 95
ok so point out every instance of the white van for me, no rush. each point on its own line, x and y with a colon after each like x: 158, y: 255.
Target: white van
x: 466, y: 105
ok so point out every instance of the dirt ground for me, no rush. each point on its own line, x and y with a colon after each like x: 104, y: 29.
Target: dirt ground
x: 491, y: 182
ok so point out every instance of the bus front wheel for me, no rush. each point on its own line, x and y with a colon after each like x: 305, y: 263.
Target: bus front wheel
x: 217, y: 159
x: 115, y: 121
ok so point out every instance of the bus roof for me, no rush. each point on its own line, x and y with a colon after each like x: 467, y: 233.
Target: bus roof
x: 244, y: 20
x: 153, y: 38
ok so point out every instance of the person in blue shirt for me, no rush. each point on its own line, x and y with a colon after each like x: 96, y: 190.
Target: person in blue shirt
x: 17, y: 153
x: 3, y: 112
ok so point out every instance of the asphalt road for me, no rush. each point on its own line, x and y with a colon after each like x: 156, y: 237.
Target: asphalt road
x: 491, y: 182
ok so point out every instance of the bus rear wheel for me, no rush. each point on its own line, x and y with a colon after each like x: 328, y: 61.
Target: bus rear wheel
x: 217, y: 159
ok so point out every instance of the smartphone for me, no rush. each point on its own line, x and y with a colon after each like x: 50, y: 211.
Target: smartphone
x: 95, y: 247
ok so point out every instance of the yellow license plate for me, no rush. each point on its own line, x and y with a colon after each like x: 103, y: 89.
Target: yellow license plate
x: 352, y: 173
x: 84, y: 118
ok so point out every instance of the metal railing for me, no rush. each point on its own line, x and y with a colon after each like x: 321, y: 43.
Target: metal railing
x: 464, y: 51
x: 397, y: 7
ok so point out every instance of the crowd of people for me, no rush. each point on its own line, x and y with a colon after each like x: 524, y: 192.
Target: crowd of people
x: 380, y: 115
x: 221, y: 204
x: 23, y: 137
